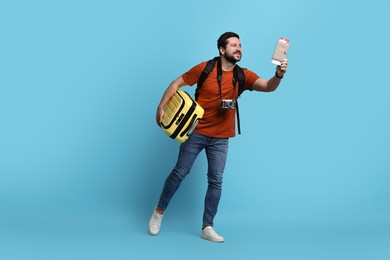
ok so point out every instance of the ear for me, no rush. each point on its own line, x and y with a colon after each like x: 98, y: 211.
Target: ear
x: 221, y: 50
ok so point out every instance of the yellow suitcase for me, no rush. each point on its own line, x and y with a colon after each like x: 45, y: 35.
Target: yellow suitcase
x: 182, y: 114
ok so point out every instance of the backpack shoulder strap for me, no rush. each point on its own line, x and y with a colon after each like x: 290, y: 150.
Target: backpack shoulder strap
x: 240, y: 76
x: 205, y: 73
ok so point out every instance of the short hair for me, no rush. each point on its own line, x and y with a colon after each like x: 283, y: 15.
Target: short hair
x: 222, y: 40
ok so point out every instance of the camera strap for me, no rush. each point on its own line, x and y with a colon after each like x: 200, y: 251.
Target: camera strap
x: 238, y: 76
x: 234, y: 82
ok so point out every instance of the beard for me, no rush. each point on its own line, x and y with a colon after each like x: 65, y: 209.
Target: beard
x: 231, y: 58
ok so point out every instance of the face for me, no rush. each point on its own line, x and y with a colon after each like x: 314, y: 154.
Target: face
x: 233, y: 51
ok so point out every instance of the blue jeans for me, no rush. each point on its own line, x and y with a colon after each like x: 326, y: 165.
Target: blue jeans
x: 216, y: 152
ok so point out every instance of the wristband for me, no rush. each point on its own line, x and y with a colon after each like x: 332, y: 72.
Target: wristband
x: 276, y: 75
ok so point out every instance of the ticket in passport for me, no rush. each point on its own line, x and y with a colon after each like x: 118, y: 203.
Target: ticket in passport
x: 281, y: 50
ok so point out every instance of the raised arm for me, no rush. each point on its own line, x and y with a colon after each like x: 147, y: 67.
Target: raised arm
x: 271, y: 84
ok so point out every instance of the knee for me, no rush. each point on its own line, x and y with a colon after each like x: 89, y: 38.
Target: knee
x: 215, y: 183
x: 178, y: 174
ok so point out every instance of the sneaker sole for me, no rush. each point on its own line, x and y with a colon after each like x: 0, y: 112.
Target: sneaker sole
x: 208, y: 239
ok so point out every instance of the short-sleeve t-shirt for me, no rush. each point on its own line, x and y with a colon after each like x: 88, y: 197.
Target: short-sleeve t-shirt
x: 217, y: 122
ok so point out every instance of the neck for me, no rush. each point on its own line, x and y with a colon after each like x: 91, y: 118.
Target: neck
x: 227, y: 65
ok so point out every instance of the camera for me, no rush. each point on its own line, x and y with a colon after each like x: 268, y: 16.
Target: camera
x: 228, y: 103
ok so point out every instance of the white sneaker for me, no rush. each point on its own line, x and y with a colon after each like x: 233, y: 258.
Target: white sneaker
x: 210, y: 234
x: 155, y: 223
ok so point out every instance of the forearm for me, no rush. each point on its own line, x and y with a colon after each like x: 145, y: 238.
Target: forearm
x: 169, y: 92
x: 265, y: 85
x: 273, y: 83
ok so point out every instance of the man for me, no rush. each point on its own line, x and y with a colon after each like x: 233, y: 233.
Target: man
x: 214, y: 130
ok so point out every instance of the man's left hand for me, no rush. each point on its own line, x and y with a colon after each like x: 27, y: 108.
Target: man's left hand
x: 282, y: 68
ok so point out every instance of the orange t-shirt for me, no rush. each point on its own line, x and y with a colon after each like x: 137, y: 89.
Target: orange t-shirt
x: 217, y: 122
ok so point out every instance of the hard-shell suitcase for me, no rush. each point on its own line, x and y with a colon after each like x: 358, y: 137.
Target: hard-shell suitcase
x: 182, y: 114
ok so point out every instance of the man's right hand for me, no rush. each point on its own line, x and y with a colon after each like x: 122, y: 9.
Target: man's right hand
x: 159, y: 115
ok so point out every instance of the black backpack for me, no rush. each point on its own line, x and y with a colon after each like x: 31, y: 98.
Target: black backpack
x: 238, y: 76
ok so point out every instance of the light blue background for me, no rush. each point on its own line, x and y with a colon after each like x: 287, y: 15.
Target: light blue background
x: 82, y: 161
